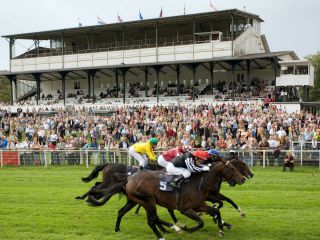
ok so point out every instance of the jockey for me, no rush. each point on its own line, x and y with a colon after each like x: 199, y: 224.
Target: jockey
x: 232, y: 155
x: 187, y: 163
x: 139, y: 151
x: 169, y: 155
x: 213, y: 153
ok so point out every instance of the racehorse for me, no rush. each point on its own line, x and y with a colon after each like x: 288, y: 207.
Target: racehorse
x: 143, y: 188
x: 215, y: 196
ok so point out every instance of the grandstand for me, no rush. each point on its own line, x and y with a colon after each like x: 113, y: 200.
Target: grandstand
x: 203, y: 57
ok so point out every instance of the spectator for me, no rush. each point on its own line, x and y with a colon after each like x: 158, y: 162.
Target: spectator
x: 288, y: 162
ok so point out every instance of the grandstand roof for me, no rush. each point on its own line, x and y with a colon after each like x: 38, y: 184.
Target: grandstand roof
x: 147, y: 23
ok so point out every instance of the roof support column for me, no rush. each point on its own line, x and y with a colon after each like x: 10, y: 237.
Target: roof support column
x: 89, y: 83
x: 124, y: 73
x: 233, y: 76
x: 157, y: 40
x: 63, y: 82
x: 275, y: 65
x: 62, y: 47
x: 232, y: 30
x: 248, y: 74
x: 11, y: 50
x: 91, y: 76
x: 146, y: 72
x: 37, y: 78
x: 117, y: 82
x: 194, y: 67
x: 13, y: 84
x: 158, y: 68
x: 178, y: 67
x: 211, y: 76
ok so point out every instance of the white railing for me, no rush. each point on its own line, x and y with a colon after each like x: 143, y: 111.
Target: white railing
x: 88, y: 158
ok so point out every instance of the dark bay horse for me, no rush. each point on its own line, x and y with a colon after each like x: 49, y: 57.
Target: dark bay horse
x: 215, y: 196
x: 143, y: 188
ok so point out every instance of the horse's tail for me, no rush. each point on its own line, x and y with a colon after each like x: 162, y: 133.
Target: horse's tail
x: 117, y: 187
x: 94, y: 173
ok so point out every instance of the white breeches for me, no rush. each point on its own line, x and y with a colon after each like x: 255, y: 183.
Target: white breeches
x: 178, y: 170
x: 141, y: 158
x: 162, y: 162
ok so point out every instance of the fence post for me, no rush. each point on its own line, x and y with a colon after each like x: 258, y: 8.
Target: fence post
x: 1, y: 159
x: 87, y: 159
x: 251, y: 154
x: 114, y: 160
x: 45, y: 159
x: 301, y: 154
x: 264, y: 159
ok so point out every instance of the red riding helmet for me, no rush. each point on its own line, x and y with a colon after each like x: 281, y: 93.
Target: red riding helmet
x: 201, y: 154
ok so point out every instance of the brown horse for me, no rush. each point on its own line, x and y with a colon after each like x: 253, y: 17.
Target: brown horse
x: 215, y: 196
x: 143, y: 188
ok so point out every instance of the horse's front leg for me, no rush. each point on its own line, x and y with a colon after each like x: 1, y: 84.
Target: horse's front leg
x: 215, y: 213
x: 175, y: 220
x: 190, y: 213
x: 229, y: 200
x: 126, y: 208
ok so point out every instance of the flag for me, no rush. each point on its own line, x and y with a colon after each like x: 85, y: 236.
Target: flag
x: 119, y: 19
x: 100, y: 21
x: 212, y: 7
x: 140, y: 15
x: 161, y: 14
x: 79, y: 23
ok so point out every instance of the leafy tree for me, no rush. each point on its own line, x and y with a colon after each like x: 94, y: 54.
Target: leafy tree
x: 5, y: 91
x: 315, y: 60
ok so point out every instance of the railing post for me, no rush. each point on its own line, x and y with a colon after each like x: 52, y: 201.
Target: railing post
x: 251, y: 154
x: 301, y: 154
x: 45, y: 159
x: 1, y: 158
x: 81, y: 157
x: 87, y: 159
x: 264, y: 159
x: 114, y: 157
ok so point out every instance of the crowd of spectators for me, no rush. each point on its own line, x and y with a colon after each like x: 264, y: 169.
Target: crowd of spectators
x: 225, y: 126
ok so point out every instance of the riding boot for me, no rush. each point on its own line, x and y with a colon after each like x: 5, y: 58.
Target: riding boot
x: 141, y: 168
x: 176, y: 182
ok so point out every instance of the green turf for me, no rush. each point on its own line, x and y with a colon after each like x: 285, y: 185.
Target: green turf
x: 38, y: 203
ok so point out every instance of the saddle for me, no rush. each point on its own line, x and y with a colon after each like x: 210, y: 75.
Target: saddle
x: 132, y: 169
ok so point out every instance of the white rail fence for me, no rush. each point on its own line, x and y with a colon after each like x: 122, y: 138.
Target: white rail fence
x: 90, y: 158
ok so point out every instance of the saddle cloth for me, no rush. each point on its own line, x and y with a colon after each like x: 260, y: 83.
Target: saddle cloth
x: 164, y: 182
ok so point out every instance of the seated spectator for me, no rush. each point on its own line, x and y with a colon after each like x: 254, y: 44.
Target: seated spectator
x: 288, y: 162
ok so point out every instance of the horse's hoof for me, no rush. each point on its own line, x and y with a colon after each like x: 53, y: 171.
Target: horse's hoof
x: 221, y: 233
x: 229, y: 226
x: 176, y: 228
x: 117, y: 229
x: 78, y: 197
x: 90, y: 204
x: 180, y: 225
x: 242, y: 214
x: 161, y: 239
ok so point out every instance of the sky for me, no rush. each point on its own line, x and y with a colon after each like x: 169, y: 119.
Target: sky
x: 288, y: 24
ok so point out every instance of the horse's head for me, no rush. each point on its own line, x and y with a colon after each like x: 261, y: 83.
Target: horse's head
x: 232, y: 175
x: 242, y: 167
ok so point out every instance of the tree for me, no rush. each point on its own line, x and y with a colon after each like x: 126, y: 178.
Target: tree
x: 315, y: 60
x: 5, y: 91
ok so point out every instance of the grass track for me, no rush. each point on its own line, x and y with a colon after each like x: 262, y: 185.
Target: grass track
x: 38, y: 203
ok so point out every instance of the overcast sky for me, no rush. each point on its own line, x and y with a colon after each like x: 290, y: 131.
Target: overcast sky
x: 289, y: 24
